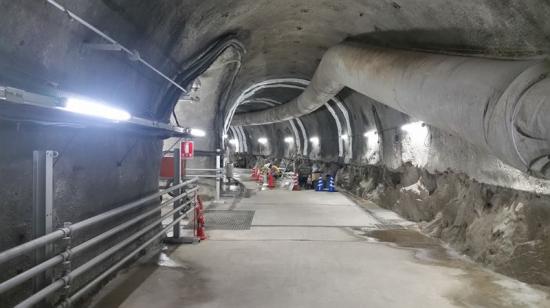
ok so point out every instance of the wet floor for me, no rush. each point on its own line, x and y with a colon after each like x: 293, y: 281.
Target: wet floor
x: 308, y: 249
x: 486, y: 288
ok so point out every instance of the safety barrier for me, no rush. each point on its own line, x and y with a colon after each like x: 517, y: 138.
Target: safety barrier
x: 184, y: 203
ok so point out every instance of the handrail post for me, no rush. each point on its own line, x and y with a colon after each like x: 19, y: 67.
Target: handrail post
x: 218, y: 178
x: 177, y: 180
x: 42, y: 212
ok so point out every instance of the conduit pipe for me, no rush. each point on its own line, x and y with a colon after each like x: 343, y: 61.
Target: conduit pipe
x: 501, y: 106
x: 133, y: 54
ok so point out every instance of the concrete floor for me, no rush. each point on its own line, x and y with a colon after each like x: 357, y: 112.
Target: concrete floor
x: 310, y: 249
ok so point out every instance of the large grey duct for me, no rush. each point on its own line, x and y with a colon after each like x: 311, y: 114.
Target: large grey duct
x: 500, y: 105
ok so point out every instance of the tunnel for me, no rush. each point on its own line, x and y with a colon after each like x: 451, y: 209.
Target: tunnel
x: 276, y: 153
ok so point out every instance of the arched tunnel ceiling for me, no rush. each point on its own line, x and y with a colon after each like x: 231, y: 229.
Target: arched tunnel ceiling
x: 283, y: 38
x: 288, y: 38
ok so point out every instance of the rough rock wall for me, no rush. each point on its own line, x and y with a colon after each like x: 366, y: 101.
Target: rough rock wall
x: 502, y: 228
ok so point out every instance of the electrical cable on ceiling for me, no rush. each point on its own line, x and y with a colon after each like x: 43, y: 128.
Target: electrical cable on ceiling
x: 133, y: 54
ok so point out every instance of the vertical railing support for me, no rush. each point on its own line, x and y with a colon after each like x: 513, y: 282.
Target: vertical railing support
x: 42, y: 212
x: 218, y: 174
x: 177, y: 180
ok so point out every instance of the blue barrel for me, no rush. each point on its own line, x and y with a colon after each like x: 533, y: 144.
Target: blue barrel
x: 331, y: 184
x: 320, y: 185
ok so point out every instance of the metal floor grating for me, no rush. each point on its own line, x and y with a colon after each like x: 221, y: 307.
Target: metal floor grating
x: 228, y: 220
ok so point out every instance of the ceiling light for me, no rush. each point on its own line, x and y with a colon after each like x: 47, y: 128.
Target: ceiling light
x: 314, y: 140
x: 289, y: 140
x: 233, y: 141
x: 96, y: 109
x: 197, y: 132
x: 262, y: 140
x: 344, y: 137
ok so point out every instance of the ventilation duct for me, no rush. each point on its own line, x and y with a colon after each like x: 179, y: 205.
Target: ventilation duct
x: 499, y: 105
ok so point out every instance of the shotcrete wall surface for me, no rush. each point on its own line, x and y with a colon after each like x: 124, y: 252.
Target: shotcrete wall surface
x: 97, y: 170
x: 434, y: 150
x: 44, y: 51
x: 483, y: 208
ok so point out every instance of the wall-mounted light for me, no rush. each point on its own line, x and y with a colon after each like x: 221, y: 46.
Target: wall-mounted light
x: 314, y: 140
x: 417, y: 131
x: 371, y: 134
x: 414, y: 127
x: 372, y: 139
x: 344, y: 137
x: 289, y: 140
x: 197, y: 132
x: 262, y: 140
x: 96, y: 109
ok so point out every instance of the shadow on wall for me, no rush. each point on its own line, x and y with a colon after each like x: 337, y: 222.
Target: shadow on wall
x: 474, y: 42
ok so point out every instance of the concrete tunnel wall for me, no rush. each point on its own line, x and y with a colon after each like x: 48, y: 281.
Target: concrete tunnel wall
x: 319, y: 124
x: 437, y: 151
x: 458, y: 193
x: 41, y: 50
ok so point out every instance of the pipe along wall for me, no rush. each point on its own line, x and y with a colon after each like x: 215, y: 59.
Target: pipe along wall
x: 498, y: 105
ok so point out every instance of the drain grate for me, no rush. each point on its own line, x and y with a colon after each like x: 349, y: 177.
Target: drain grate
x: 228, y: 220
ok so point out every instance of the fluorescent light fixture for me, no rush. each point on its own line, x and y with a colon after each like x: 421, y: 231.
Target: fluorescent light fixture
x: 233, y: 141
x: 262, y: 140
x: 197, y: 132
x: 344, y: 137
x: 314, y: 140
x: 371, y: 133
x: 289, y: 140
x: 96, y: 109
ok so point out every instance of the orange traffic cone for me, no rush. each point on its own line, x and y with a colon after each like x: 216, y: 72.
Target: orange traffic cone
x: 271, y: 181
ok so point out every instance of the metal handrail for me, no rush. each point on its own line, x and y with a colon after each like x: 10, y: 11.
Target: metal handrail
x: 68, y: 302
x: 62, y: 232
x: 219, y: 173
x: 70, y: 252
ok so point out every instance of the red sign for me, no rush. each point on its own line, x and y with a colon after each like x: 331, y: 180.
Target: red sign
x: 187, y: 149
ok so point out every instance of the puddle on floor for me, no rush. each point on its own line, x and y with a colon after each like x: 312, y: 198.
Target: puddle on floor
x: 481, y: 287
